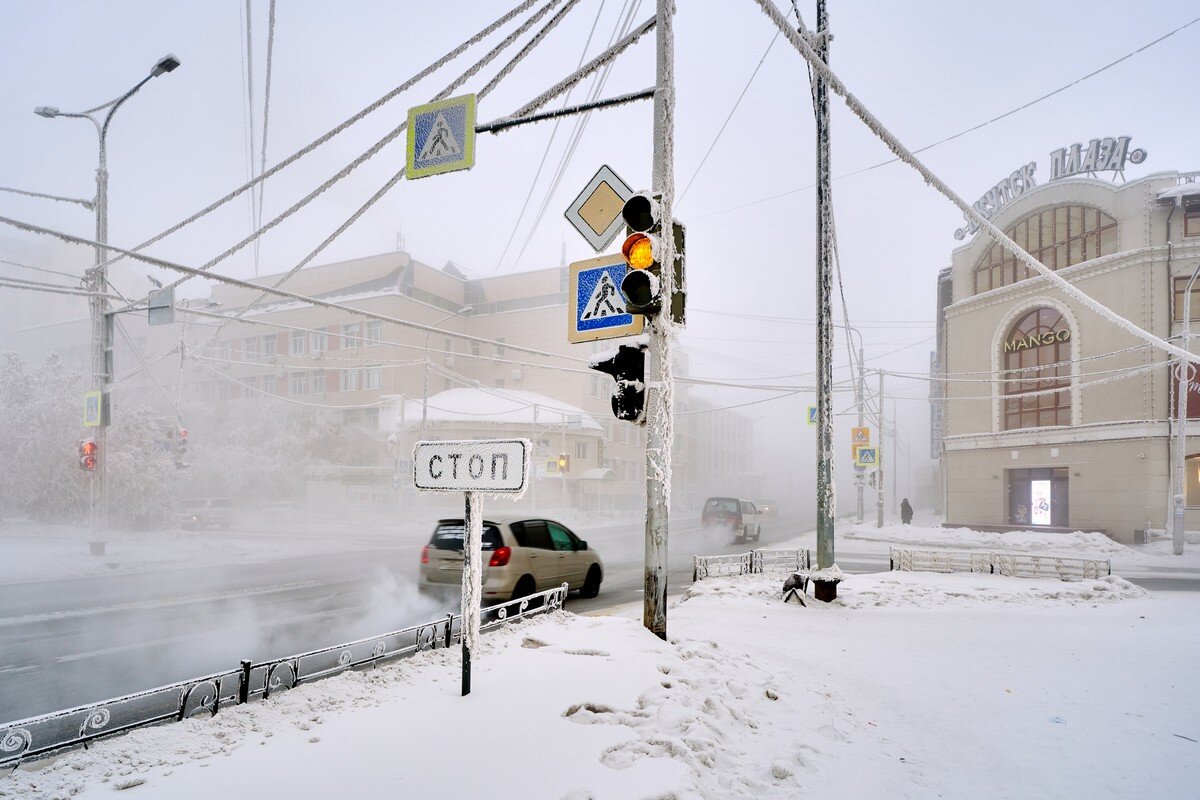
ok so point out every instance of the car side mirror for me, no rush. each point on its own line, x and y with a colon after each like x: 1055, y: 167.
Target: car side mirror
x: 582, y: 545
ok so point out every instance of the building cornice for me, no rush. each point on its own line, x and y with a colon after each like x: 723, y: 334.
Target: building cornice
x: 1049, y: 437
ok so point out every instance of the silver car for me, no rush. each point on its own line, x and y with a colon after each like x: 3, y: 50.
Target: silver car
x: 522, y: 554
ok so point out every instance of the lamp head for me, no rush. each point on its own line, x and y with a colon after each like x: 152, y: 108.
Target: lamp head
x: 49, y: 112
x: 466, y: 310
x: 165, y: 64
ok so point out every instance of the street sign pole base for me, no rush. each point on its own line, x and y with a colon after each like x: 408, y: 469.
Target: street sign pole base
x: 825, y: 591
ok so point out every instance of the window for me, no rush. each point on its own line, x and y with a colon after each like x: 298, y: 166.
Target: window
x: 250, y: 347
x: 1037, y: 355
x: 352, y: 335
x: 223, y: 351
x: 251, y: 386
x: 374, y: 333
x: 318, y: 382
x: 1058, y: 237
x: 561, y: 537
x: 268, y: 384
x: 372, y: 377
x: 474, y: 348
x: 1180, y: 288
x: 371, y: 418
x: 532, y: 533
x: 299, y: 383
x: 318, y: 341
x: 349, y: 380
x: 298, y: 340
x: 499, y: 383
x: 1191, y: 221
x: 581, y: 450
x: 268, y: 345
x: 1192, y: 471
x: 500, y: 346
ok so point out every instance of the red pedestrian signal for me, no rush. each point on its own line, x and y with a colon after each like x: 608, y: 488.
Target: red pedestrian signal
x: 88, y: 452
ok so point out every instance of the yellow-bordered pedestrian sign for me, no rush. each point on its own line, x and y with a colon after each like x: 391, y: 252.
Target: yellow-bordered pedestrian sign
x: 860, y: 435
x: 811, y: 413
x: 441, y: 137
x: 867, y: 457
x: 93, y: 409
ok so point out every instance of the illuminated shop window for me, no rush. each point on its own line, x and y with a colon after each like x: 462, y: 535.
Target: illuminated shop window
x: 1058, y: 237
x: 1037, y: 353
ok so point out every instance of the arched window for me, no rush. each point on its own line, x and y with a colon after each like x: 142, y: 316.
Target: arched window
x: 1058, y: 237
x: 1037, y: 357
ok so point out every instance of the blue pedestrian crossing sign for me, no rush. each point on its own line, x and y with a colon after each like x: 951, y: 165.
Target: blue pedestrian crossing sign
x: 811, y: 412
x: 596, y: 308
x: 441, y: 137
x: 867, y: 457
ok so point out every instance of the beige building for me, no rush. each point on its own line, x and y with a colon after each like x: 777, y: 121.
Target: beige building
x: 396, y: 384
x: 1054, y: 416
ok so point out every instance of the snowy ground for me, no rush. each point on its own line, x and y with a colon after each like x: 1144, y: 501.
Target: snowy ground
x: 911, y: 685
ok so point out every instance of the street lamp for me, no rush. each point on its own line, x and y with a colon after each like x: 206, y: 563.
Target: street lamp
x: 425, y: 364
x: 97, y: 279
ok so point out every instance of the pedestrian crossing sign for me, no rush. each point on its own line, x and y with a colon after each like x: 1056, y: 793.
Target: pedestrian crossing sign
x: 441, y: 137
x: 867, y: 457
x: 596, y: 308
x: 812, y: 415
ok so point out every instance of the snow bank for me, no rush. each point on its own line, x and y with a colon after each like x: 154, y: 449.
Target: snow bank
x: 1077, y: 544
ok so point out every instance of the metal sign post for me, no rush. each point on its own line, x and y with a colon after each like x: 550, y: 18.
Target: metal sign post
x: 495, y: 466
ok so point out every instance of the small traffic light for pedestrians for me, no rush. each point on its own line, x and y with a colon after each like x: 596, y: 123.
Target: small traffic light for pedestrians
x: 564, y: 462
x: 88, y: 451
x: 628, y: 366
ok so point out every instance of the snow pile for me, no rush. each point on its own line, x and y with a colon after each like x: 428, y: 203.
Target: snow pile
x: 749, y: 698
x: 1077, y: 544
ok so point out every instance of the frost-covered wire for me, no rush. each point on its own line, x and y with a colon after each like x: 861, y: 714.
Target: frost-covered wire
x: 266, y: 119
x: 88, y: 204
x: 968, y: 210
x: 39, y: 269
x: 48, y: 288
x: 391, y: 95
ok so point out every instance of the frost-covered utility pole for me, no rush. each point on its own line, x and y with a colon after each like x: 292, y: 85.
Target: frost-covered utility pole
x: 660, y: 387
x: 824, y: 589
x: 879, y: 462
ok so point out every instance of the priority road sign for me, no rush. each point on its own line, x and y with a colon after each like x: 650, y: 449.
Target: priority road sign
x: 596, y: 309
x: 860, y: 435
x: 441, y: 137
x: 596, y: 212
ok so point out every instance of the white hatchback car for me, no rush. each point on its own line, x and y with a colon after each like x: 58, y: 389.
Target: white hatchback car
x: 522, y: 554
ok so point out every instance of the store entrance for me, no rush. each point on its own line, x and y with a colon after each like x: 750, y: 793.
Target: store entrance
x: 1038, y: 497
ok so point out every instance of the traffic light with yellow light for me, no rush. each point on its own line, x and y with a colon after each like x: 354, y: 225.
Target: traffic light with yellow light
x: 642, y: 252
x: 628, y: 367
x: 88, y: 452
x: 564, y: 462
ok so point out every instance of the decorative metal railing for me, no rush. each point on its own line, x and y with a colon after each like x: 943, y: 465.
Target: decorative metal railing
x: 37, y: 737
x: 753, y: 562
x: 1016, y: 565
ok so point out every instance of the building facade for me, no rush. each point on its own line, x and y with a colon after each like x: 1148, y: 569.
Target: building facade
x: 1053, y: 416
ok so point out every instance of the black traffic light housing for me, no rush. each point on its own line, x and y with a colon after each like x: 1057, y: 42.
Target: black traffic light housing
x: 628, y: 366
x: 564, y: 462
x: 642, y: 285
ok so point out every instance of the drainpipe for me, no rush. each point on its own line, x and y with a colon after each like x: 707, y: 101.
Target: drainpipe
x: 1170, y: 417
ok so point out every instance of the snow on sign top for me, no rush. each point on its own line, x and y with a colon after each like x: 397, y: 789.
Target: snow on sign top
x: 441, y: 137
x: 494, y: 466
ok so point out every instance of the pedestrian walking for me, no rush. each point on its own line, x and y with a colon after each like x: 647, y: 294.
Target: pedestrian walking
x: 905, y: 512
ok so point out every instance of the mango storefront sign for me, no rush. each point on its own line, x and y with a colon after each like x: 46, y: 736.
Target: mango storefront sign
x: 1036, y: 340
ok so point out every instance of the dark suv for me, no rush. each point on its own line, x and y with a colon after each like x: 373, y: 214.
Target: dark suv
x: 740, y: 517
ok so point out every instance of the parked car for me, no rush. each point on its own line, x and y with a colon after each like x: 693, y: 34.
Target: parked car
x: 767, y: 508
x: 740, y: 517
x: 521, y: 555
x: 198, y: 513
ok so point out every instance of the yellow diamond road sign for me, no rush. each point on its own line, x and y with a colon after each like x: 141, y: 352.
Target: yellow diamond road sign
x: 596, y: 212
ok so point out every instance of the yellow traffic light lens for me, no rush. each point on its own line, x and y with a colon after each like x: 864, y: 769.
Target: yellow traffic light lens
x: 638, y: 251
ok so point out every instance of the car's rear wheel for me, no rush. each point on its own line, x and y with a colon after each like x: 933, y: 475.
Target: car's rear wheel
x: 758, y: 533
x: 591, y: 584
x: 525, y: 587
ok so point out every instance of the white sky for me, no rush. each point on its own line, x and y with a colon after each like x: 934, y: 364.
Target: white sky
x: 927, y: 69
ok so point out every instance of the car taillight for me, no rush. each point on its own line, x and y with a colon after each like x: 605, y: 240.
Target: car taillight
x: 425, y: 554
x: 500, y: 557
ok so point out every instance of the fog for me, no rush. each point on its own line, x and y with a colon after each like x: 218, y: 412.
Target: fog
x: 301, y: 466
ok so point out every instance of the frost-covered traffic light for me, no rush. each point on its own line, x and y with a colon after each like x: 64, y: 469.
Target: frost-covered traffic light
x: 627, y: 365
x: 88, y: 451
x: 564, y: 462
x: 181, y: 446
x: 643, y: 252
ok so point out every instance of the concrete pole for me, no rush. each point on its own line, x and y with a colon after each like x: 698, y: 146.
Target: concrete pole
x: 659, y: 380
x: 859, y: 391
x: 879, y: 461
x: 824, y: 590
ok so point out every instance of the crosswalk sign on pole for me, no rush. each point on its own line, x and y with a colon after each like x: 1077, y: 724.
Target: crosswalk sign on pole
x: 596, y: 309
x: 441, y: 137
x: 812, y: 415
x: 867, y: 457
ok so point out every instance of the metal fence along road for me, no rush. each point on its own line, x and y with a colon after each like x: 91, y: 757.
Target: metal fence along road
x: 751, y: 563
x: 37, y: 737
x: 1015, y: 565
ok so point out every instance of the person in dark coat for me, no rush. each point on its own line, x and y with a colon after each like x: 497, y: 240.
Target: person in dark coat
x: 905, y: 511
